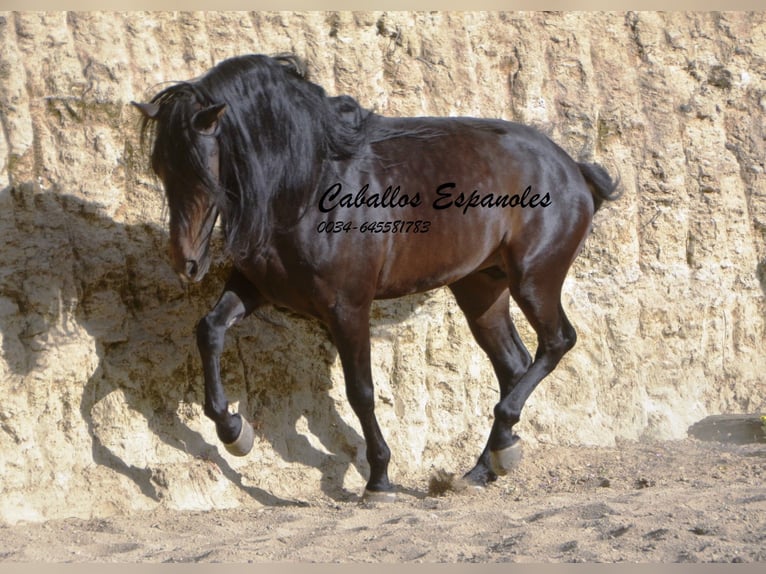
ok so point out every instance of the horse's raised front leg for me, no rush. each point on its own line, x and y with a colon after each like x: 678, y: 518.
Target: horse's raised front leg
x: 239, y: 299
x: 350, y: 328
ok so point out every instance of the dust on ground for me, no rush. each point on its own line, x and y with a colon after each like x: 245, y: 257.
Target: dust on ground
x: 678, y: 501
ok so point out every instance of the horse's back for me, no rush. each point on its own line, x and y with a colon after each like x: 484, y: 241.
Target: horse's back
x: 502, y: 150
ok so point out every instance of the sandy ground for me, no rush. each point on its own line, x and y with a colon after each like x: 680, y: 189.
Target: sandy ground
x: 680, y: 501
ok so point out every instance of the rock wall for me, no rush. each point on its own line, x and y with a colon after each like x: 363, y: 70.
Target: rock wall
x: 101, y: 384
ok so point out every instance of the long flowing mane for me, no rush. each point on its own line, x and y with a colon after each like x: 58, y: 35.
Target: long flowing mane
x: 277, y: 132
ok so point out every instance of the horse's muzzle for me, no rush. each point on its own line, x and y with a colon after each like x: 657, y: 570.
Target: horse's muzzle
x: 192, y: 267
x: 194, y: 270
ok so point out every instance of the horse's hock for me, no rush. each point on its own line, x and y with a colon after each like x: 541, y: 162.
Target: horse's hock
x: 102, y: 407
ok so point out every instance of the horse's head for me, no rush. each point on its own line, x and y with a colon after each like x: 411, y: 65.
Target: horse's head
x: 185, y: 156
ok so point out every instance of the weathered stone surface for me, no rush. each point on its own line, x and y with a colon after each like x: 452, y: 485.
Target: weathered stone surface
x: 102, y: 388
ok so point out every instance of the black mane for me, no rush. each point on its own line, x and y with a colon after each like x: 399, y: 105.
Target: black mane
x: 276, y: 133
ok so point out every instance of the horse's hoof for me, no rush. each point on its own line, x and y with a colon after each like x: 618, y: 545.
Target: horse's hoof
x: 503, y: 461
x: 244, y: 442
x: 379, y: 496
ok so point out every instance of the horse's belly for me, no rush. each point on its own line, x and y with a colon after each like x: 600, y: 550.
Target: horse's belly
x: 417, y: 264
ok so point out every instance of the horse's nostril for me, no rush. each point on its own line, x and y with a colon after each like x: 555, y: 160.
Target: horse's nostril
x: 191, y: 268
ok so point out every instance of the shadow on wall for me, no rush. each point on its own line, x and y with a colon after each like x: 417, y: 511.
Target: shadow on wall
x: 69, y: 271
x: 760, y: 273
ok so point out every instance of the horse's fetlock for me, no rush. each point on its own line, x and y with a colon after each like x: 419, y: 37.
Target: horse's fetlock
x: 380, y: 459
x: 228, y: 428
x: 210, y: 413
x: 216, y: 412
x: 506, y: 414
x: 362, y: 400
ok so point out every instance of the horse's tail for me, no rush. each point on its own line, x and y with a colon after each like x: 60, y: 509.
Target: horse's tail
x: 601, y: 185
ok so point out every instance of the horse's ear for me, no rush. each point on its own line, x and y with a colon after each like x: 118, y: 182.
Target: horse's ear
x: 150, y: 111
x: 205, y: 121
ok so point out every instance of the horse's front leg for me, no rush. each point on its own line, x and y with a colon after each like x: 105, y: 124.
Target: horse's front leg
x: 239, y: 299
x: 350, y: 328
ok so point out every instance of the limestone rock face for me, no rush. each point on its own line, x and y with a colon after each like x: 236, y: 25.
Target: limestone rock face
x: 101, y: 383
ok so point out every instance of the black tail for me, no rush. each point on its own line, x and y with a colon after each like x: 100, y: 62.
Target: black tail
x: 602, y: 186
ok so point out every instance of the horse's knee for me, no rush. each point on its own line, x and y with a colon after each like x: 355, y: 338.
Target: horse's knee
x: 209, y: 334
x: 361, y: 398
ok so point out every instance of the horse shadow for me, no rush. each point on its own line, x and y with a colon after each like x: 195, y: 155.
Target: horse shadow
x: 67, y: 271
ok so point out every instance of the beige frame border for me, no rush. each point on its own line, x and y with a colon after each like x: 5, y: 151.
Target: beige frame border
x: 294, y: 5
x: 476, y: 5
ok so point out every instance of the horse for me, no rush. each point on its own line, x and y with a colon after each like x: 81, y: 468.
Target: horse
x: 326, y: 206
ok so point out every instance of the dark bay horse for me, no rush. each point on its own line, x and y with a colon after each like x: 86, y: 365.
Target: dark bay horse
x: 326, y: 206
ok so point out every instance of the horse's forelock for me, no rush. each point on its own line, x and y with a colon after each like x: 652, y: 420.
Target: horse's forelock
x: 174, y: 152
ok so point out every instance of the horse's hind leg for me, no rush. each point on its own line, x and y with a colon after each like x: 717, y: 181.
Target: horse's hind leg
x: 539, y: 297
x: 238, y: 299
x: 484, y: 299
